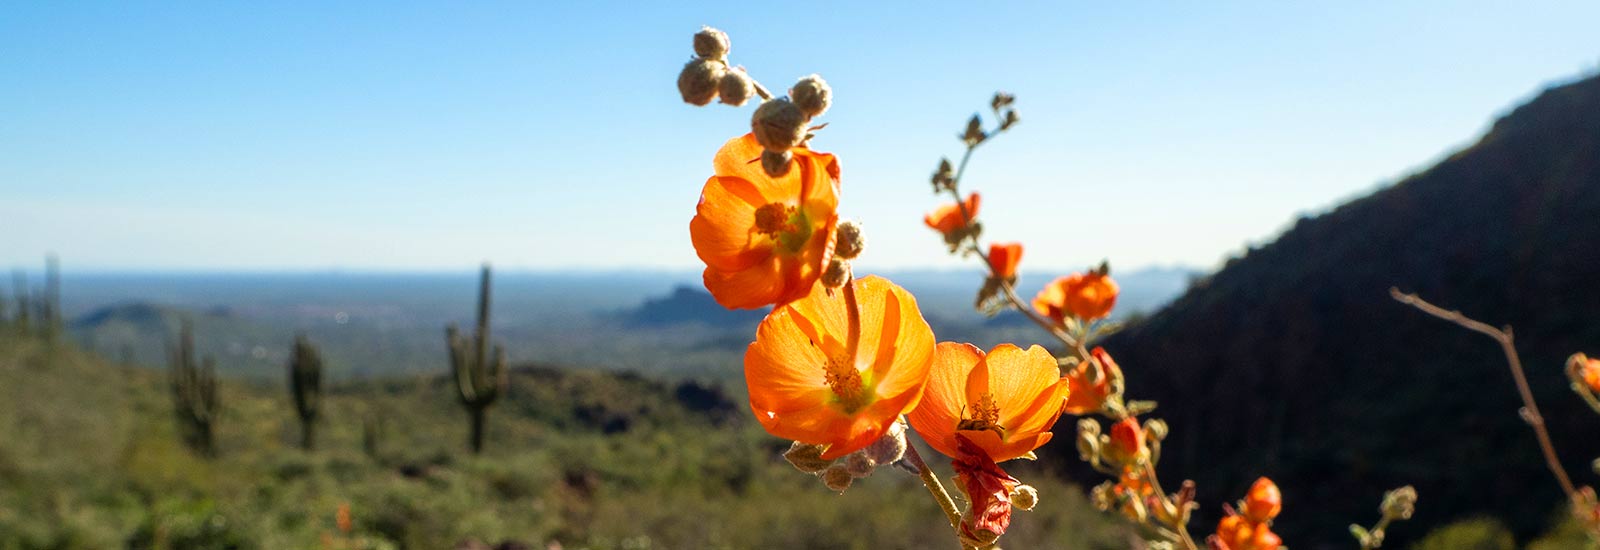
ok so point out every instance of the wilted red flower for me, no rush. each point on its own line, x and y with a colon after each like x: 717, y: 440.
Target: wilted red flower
x: 1003, y: 259
x: 805, y: 386
x: 988, y: 490
x: 1087, y: 296
x: 1263, y: 501
x: 1084, y: 395
x: 765, y: 240
x: 1004, y: 402
x: 948, y: 218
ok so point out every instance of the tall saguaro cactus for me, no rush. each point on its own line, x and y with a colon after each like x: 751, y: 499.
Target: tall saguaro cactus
x: 194, y: 392
x: 19, y: 286
x: 50, y: 324
x: 480, y: 376
x: 305, y: 383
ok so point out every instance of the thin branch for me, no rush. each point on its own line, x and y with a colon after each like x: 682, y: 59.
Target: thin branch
x: 1530, y: 409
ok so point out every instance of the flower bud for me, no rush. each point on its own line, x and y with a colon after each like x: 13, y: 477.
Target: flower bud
x: 1088, y: 439
x: 813, y: 95
x: 1024, y: 497
x: 859, y: 464
x: 1127, y: 440
x: 890, y: 448
x: 837, y: 477
x: 1155, y: 429
x: 711, y: 43
x: 837, y: 274
x: 1400, y: 503
x: 776, y: 163
x: 806, y: 457
x: 778, y: 125
x: 735, y: 87
x: 1263, y: 501
x: 849, y: 242
x: 699, y: 80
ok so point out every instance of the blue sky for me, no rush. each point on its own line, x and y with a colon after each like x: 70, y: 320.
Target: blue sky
x: 388, y: 136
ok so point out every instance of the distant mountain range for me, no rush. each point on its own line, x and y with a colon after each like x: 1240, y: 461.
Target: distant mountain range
x: 1293, y: 362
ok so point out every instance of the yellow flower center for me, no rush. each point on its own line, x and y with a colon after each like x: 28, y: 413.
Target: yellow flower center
x: 845, y: 382
x: 985, y: 416
x: 785, y: 224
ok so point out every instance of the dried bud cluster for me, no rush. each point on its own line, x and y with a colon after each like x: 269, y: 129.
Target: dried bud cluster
x: 838, y: 474
x: 708, y: 76
x: 850, y: 241
x: 781, y: 124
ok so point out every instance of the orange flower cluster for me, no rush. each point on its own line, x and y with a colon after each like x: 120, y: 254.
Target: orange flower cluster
x: 1251, y: 527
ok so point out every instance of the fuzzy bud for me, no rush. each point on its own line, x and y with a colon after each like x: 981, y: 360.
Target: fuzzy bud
x: 890, y: 448
x: 837, y: 478
x: 1088, y: 439
x: 735, y: 87
x: 1400, y: 503
x: 859, y: 464
x: 806, y: 457
x: 850, y: 243
x: 776, y: 163
x: 1155, y: 429
x: 778, y: 125
x: 837, y: 274
x: 813, y: 95
x: 699, y: 81
x: 1024, y: 497
x: 711, y: 43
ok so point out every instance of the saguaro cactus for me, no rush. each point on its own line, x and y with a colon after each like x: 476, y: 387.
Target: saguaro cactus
x: 194, y: 392
x: 19, y: 286
x: 50, y: 323
x: 480, y: 377
x: 305, y: 383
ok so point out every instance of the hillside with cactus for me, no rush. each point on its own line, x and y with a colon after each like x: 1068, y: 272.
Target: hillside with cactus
x: 92, y: 458
x: 1294, y: 362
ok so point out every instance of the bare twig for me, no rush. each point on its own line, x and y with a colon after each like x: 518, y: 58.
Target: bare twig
x: 1530, y: 409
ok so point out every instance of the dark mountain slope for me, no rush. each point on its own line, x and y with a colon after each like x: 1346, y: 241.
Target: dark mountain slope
x: 1293, y: 361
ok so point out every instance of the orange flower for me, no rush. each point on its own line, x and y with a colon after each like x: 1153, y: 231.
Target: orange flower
x: 804, y: 383
x: 1131, y: 487
x: 1087, y: 296
x: 765, y: 240
x: 341, y: 517
x: 988, y: 489
x: 1005, y: 402
x: 1263, y: 502
x: 948, y: 218
x: 1003, y: 259
x: 1086, y: 396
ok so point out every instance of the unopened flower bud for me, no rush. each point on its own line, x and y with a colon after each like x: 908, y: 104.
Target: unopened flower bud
x: 776, y: 163
x: 1263, y: 502
x: 850, y: 243
x: 890, y: 448
x: 806, y: 457
x: 859, y: 464
x: 735, y: 88
x: 813, y: 95
x: 711, y: 43
x: 778, y: 124
x: 1155, y: 429
x: 837, y: 274
x: 1400, y: 503
x: 699, y: 80
x: 1088, y: 439
x: 1024, y: 497
x: 1102, y: 496
x: 837, y: 477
